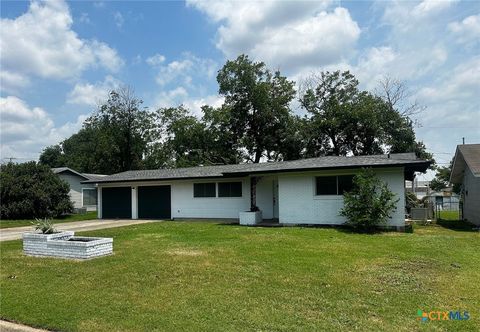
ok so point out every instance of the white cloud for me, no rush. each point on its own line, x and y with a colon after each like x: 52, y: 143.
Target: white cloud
x: 180, y: 96
x: 155, y: 60
x: 289, y: 35
x: 84, y: 18
x: 92, y: 94
x: 41, y: 43
x: 171, y: 98
x: 195, y: 105
x: 118, y: 18
x: 468, y: 30
x: 184, y: 70
x: 428, y: 7
x: 11, y: 82
x: 461, y: 84
x: 25, y: 131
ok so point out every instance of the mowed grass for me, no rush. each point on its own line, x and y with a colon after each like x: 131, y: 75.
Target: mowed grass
x: 448, y: 215
x: 28, y: 222
x: 202, y: 276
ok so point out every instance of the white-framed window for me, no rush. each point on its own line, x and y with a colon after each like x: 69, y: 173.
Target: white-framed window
x: 207, y: 189
x: 333, y: 185
x: 230, y: 189
x: 89, y: 196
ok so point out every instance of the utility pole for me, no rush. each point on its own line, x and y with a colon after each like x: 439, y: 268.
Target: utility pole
x: 10, y: 159
x: 463, y: 140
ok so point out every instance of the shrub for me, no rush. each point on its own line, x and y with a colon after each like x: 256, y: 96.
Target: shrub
x: 31, y: 190
x: 370, y: 203
x: 44, y: 225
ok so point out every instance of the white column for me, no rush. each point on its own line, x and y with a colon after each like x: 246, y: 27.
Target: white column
x: 134, y: 203
x: 99, y: 202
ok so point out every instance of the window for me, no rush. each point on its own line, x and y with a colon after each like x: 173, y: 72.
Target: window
x: 327, y: 185
x: 345, y: 183
x: 229, y: 189
x: 204, y: 190
x: 334, y: 185
x: 89, y: 196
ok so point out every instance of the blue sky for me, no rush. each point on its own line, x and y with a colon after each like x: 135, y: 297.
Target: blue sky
x: 59, y: 59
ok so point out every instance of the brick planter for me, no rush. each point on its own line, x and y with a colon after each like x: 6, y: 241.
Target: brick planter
x: 64, y: 244
x: 250, y: 218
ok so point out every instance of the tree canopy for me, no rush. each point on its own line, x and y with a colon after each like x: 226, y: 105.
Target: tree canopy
x: 32, y: 190
x: 255, y: 123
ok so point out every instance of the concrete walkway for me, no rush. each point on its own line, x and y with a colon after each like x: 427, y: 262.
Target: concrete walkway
x: 15, y: 233
x: 14, y: 327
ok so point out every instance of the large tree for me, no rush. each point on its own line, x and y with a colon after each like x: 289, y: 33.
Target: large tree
x: 342, y: 119
x: 124, y: 127
x: 258, y: 101
x: 114, y: 139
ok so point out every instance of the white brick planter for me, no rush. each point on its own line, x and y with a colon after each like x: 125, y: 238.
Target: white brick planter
x: 250, y: 218
x: 64, y: 244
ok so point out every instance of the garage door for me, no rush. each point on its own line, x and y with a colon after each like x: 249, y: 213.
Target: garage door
x: 117, y: 203
x: 154, y: 202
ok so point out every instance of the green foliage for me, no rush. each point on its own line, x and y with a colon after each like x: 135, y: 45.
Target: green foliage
x: 442, y: 179
x: 44, y: 225
x: 32, y: 190
x: 370, y: 203
x: 52, y: 156
x: 258, y: 102
x: 255, y: 123
x: 344, y: 120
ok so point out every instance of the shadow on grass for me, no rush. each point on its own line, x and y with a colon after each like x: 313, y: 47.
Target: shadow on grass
x: 340, y: 228
x: 456, y: 225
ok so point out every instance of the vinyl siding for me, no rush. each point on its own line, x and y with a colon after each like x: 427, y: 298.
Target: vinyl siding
x: 298, y: 203
x: 76, y: 189
x: 471, y: 205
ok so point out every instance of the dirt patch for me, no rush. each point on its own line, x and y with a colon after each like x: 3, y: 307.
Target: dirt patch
x: 185, y: 252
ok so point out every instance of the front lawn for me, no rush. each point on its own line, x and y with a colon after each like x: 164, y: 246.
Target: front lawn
x: 201, y: 276
x: 28, y: 222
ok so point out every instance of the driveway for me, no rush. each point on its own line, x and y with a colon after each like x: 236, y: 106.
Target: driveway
x: 15, y: 233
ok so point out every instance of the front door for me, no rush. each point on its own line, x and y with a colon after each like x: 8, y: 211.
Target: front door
x: 275, y: 198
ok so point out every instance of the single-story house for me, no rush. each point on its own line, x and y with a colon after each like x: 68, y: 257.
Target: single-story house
x: 466, y: 171
x: 445, y: 199
x: 82, y: 195
x: 306, y: 191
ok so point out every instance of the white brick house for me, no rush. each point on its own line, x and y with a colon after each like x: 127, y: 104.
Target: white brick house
x: 307, y: 191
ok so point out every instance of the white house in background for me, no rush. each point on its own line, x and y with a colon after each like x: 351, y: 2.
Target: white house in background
x: 466, y: 171
x: 83, y: 195
x: 307, y: 191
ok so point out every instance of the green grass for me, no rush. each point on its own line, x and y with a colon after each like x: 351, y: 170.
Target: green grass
x: 448, y: 215
x: 28, y: 222
x: 201, y: 276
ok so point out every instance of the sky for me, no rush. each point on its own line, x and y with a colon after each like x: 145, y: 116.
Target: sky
x: 59, y: 60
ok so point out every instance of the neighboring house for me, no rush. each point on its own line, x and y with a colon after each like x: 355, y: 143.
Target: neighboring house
x: 418, y: 187
x: 466, y: 171
x: 307, y: 191
x: 83, y: 195
x: 444, y: 200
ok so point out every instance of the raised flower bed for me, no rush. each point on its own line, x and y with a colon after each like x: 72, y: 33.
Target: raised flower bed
x: 65, y: 244
x: 250, y: 217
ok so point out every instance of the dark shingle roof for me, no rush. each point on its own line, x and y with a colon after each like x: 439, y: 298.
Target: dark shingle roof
x: 58, y: 170
x: 329, y: 162
x: 466, y: 155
